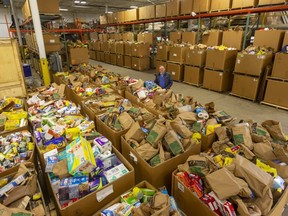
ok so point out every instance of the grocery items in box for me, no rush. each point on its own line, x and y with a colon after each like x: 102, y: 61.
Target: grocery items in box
x: 10, y: 104
x: 13, y: 120
x: 77, y: 44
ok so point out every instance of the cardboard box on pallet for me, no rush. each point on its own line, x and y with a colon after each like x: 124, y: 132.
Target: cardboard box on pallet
x: 102, y: 56
x: 192, y: 205
x: 223, y: 60
x: 140, y: 50
x: 92, y: 54
x: 245, y: 86
x: 113, y: 58
x: 178, y: 54
x: 163, y: 52
x: 186, y: 7
x: 107, y: 57
x: 140, y: 64
x: 270, y: 2
x: 103, y: 19
x: 52, y: 42
x: 217, y: 81
x: 201, y: 6
x: 274, y: 93
x: 212, y: 38
x: 147, y: 12
x: 44, y: 7
x: 161, y: 10
x: 233, y: 39
x: 193, y: 75
x: 189, y: 37
x: 218, y: 5
x: 112, y: 47
x: 110, y: 18
x: 175, y: 37
x: 101, y: 197
x: 173, y: 8
x: 244, y: 4
x: 280, y: 67
x: 145, y: 37
x: 131, y: 15
x: 79, y: 56
x: 160, y: 63
x: 128, y: 36
x: 127, y: 61
x: 128, y: 49
x: 270, y: 38
x: 196, y: 57
x: 252, y: 64
x: 120, y: 60
x: 176, y: 71
x: 161, y: 174
x: 119, y: 48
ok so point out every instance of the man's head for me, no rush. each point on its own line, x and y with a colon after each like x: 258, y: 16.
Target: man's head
x: 161, y: 69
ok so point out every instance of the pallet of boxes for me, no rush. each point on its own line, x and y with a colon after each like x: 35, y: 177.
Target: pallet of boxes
x: 78, y: 53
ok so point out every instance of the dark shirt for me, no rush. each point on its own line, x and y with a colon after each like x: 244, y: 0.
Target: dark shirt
x: 164, y: 81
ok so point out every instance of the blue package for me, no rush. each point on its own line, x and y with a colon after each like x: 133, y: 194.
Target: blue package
x: 56, y: 141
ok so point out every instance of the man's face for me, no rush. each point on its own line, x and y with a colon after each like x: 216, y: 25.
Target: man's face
x: 161, y: 70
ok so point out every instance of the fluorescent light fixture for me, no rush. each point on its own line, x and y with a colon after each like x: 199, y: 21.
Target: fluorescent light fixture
x: 134, y: 7
x: 76, y: 2
x: 63, y: 9
x: 110, y: 12
x: 83, y: 2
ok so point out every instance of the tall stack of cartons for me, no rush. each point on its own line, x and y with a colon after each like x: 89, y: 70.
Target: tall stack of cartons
x: 162, y: 55
x: 140, y: 56
x: 120, y: 53
x: 128, y: 54
x: 277, y: 83
x: 175, y: 65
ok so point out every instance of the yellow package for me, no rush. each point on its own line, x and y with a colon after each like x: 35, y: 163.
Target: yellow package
x: 30, y: 146
x: 196, y: 137
x: 11, y: 125
x: 16, y: 115
x: 228, y: 161
x: 211, y: 128
x: 266, y: 168
x: 233, y: 150
x: 72, y: 133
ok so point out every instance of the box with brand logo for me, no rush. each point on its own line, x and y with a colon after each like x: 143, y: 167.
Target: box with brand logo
x: 176, y: 71
x: 212, y: 38
x: 233, y: 39
x: 120, y: 60
x: 280, y: 67
x: 245, y: 86
x: 217, y: 81
x: 221, y: 59
x: 178, y: 54
x: 186, y: 7
x: 140, y: 64
x: 217, y: 5
x: 193, y: 75
x: 274, y: 93
x: 175, y: 37
x: 79, y: 55
x: 162, y: 52
x: 140, y: 50
x: 160, y: 10
x: 127, y: 61
x: 196, y: 57
x: 244, y: 4
x: 270, y: 38
x: 252, y: 64
x: 201, y: 6
x: 189, y: 37
x: 173, y: 8
x: 113, y: 59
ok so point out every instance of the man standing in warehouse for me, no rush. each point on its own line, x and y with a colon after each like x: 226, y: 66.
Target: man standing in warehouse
x: 163, y: 79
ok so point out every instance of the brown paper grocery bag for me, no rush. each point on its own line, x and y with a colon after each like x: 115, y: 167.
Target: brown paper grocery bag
x: 246, y: 209
x: 281, y: 154
x: 241, y: 135
x: 125, y: 120
x: 157, y: 132
x: 5, y: 211
x: 61, y: 169
x: 265, y: 203
x: 173, y: 144
x: 146, y: 151
x: 275, y: 129
x: 188, y: 117
x: 178, y: 126
x: 222, y: 133
x: 264, y: 151
x: 135, y: 133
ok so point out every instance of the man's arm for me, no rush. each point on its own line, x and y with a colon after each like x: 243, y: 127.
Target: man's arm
x: 170, y: 82
x: 156, y: 79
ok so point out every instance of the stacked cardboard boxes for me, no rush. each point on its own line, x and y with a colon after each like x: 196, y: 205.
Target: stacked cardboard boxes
x: 212, y: 38
x: 175, y: 65
x: 162, y: 55
x: 140, y: 56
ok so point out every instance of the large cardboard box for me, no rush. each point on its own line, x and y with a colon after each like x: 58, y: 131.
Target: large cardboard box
x: 270, y: 2
x: 160, y: 63
x: 217, y: 5
x: 112, y: 47
x: 100, y: 197
x: 52, y: 43
x: 140, y: 50
x: 79, y: 56
x: 189, y: 37
x: 128, y: 49
x: 186, y: 7
x: 275, y: 93
x: 145, y: 37
x: 178, y: 54
x: 191, y: 205
x: 113, y: 58
x: 110, y: 18
x: 223, y: 60
x: 102, y: 56
x: 141, y: 64
x: 175, y: 37
x: 233, y: 39
x: 193, y: 75
x: 163, y: 52
x: 280, y: 67
x: 127, y: 61
x: 252, y: 64
x: 196, y: 57
x: 245, y: 86
x: 147, y: 12
x: 173, y: 8
x: 44, y: 7
x: 200, y: 6
x: 121, y: 17
x: 107, y: 57
x: 161, y: 174
x: 26, y: 13
x: 161, y: 10
x: 103, y: 19
x: 96, y: 45
x: 128, y: 36
x: 131, y: 15
x: 119, y: 48
x: 270, y: 38
x: 104, y: 47
x: 213, y: 38
x: 98, y: 56
x: 115, y: 17
x: 217, y: 81
x: 244, y: 4
x: 92, y: 54
x: 176, y: 71
x: 285, y: 41
x: 120, y: 60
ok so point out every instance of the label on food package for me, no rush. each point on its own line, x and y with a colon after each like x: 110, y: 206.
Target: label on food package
x: 181, y: 187
x: 101, y: 195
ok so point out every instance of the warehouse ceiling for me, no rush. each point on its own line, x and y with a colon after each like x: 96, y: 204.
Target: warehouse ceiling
x: 99, y: 6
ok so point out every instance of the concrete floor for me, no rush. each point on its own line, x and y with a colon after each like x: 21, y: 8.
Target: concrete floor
x: 236, y: 107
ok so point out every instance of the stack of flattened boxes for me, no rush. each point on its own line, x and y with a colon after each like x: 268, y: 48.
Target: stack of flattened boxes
x: 277, y: 83
x: 140, y: 56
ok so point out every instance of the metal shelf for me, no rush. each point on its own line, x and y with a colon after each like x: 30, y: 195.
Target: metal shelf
x: 59, y: 30
x: 44, y: 19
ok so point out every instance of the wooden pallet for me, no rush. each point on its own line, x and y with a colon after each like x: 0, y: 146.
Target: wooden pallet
x: 223, y: 92
x: 241, y: 8
x: 242, y: 97
x: 172, y: 62
x: 274, y: 105
x: 193, y: 84
x: 219, y: 10
x: 277, y: 79
x: 217, y: 70
x: 265, y: 5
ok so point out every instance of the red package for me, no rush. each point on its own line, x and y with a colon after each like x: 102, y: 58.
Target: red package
x: 211, y: 203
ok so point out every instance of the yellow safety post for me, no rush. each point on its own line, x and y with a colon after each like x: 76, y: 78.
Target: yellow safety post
x: 45, y: 71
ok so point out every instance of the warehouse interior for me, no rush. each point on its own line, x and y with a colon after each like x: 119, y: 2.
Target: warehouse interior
x: 144, y: 107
